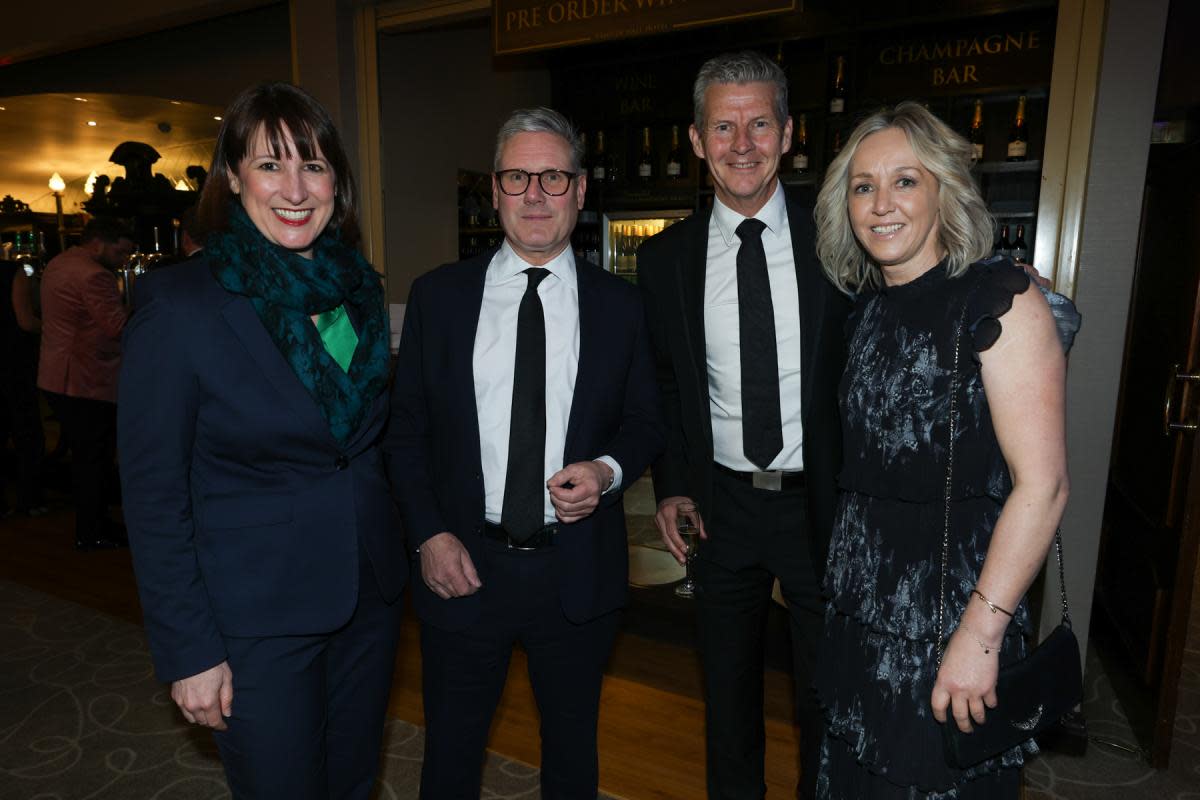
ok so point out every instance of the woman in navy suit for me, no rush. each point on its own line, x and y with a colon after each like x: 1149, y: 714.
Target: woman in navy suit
x: 252, y: 397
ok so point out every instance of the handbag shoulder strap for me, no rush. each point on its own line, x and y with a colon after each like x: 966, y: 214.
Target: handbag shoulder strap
x: 953, y: 426
x: 953, y: 429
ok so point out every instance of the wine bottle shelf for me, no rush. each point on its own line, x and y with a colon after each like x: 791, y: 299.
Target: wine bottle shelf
x: 1003, y: 167
x: 1011, y: 208
x: 806, y: 179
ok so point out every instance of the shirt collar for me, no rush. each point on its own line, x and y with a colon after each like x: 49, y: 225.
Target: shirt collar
x: 506, y: 265
x: 773, y: 215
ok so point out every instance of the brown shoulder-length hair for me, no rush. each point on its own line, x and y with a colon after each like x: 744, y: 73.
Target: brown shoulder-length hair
x: 288, y: 116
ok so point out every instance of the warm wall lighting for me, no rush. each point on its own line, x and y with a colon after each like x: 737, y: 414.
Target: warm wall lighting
x: 57, y: 184
x: 89, y: 186
x: 181, y: 186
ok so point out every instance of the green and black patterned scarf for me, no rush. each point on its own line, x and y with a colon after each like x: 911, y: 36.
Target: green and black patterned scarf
x: 287, y: 289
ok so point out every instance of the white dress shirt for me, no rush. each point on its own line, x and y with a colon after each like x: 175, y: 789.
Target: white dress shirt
x: 493, y: 361
x: 723, y: 339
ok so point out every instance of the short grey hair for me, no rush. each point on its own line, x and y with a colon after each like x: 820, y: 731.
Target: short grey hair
x: 964, y: 224
x: 540, y: 120
x: 747, y: 66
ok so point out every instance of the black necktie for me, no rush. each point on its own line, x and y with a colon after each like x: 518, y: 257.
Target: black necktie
x: 525, y: 484
x: 762, y: 430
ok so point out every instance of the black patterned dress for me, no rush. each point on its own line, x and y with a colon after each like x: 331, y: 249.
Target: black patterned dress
x: 876, y: 672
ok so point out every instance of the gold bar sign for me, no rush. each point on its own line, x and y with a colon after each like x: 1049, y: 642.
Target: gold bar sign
x: 957, y: 62
x: 523, y: 25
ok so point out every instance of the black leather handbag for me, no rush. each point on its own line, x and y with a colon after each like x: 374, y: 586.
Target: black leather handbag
x: 1032, y: 694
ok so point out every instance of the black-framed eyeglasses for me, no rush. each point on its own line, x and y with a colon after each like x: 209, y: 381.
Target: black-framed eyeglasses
x: 554, y: 182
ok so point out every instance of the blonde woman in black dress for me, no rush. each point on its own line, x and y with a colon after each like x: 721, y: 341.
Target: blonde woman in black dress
x: 903, y: 227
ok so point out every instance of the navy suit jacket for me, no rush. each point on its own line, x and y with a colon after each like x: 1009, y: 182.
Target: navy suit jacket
x: 433, y: 439
x: 671, y: 273
x: 245, y: 515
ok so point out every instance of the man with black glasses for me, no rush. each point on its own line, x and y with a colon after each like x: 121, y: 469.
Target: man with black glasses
x: 524, y: 404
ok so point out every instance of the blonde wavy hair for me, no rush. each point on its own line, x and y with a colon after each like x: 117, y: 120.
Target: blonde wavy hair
x: 964, y: 224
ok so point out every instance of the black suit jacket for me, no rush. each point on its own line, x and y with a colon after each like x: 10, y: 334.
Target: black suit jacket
x: 432, y: 443
x: 671, y: 273
x: 245, y: 515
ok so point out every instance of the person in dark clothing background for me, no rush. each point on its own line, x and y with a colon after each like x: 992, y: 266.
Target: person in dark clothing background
x: 20, y: 416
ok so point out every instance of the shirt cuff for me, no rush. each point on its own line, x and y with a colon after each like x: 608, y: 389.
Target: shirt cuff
x: 617, y: 474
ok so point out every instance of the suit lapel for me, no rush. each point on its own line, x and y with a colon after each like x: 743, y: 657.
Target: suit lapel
x: 463, y: 327
x: 239, y: 313
x: 591, y: 352
x: 811, y: 308
x: 691, y: 268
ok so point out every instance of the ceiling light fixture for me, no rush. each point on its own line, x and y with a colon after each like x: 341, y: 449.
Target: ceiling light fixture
x: 81, y: 99
x: 91, y: 123
x: 218, y: 119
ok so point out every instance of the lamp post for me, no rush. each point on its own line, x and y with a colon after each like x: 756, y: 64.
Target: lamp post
x: 57, y: 185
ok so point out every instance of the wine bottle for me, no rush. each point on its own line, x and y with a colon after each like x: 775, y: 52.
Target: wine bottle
x: 837, y: 93
x: 614, y: 169
x: 599, y: 159
x: 975, y: 136
x: 1020, y: 248
x: 800, y: 154
x: 675, y: 158
x: 645, y: 167
x: 1018, y: 134
x: 591, y: 247
x: 1003, y: 246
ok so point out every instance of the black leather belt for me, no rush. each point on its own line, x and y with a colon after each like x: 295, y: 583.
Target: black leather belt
x: 541, y: 538
x: 772, y: 480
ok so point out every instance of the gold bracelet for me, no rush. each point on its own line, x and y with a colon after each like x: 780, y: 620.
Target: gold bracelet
x: 987, y: 651
x: 991, y: 605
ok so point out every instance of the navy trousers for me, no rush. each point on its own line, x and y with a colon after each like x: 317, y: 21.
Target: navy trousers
x: 308, y: 711
x: 464, y: 674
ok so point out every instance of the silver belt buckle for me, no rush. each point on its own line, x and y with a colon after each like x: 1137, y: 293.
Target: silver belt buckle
x: 772, y: 481
x: 512, y: 545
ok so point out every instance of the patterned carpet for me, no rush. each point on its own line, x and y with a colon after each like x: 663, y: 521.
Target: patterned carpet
x: 1113, y: 767
x: 81, y: 716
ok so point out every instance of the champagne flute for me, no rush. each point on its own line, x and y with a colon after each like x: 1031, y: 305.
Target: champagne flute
x: 687, y: 519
